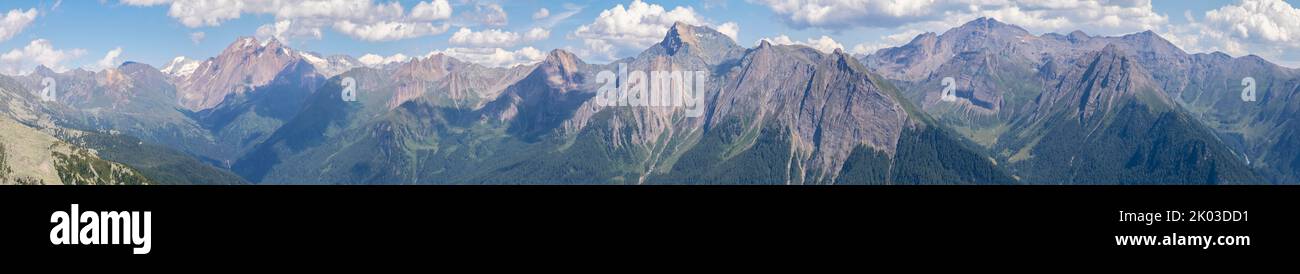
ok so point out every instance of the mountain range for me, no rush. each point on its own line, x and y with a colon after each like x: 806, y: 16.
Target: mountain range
x: 1029, y: 109
x: 1008, y: 82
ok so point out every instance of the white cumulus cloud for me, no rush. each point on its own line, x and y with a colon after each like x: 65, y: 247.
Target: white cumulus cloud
x: 541, y: 14
x: 825, y: 44
x: 14, y: 22
x: 496, y: 38
x: 110, y: 60
x: 1268, y: 28
x: 197, y: 37
x: 495, y: 57
x: 374, y: 60
x: 1258, y: 21
x: 432, y: 11
x: 625, y: 29
x: 388, y: 30
x: 37, y: 52
x: 361, y: 19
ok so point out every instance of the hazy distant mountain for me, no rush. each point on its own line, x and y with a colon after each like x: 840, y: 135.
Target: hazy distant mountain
x: 142, y: 129
x: 31, y: 154
x: 134, y: 98
x: 330, y: 66
x: 1108, y: 122
x: 399, y: 112
x: 1014, y: 88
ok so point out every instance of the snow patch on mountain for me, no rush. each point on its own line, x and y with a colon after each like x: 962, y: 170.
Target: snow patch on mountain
x: 181, y: 67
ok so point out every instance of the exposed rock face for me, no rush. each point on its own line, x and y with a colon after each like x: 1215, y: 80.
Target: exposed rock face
x: 998, y: 67
x: 398, y: 115
x: 1130, y: 130
x: 1054, y: 108
x: 927, y: 52
x: 547, y: 97
x: 685, y: 49
x: 451, y: 82
x: 827, y: 101
x: 707, y: 45
x: 411, y: 124
x: 242, y: 67
x: 1098, y: 83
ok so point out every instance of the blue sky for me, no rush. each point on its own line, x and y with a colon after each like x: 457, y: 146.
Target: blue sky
x: 72, y: 34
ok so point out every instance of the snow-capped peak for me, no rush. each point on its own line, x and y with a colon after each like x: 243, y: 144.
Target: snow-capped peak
x: 313, y: 59
x: 181, y: 67
x: 330, y: 66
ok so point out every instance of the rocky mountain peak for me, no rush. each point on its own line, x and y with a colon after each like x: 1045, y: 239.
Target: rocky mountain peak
x: 1149, y: 41
x: 563, y: 60
x: 561, y: 68
x: 424, y: 69
x: 701, y: 42
x: 245, y: 65
x: 929, y: 38
x: 1101, y: 82
x: 136, y: 68
x: 329, y: 66
x: 1078, y: 36
x: 43, y: 71
x: 679, y: 36
x: 249, y: 47
x: 243, y: 42
x: 989, y: 25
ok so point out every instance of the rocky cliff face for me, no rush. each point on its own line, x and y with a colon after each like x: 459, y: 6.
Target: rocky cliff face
x: 789, y: 115
x: 451, y: 82
x: 399, y: 114
x: 927, y: 52
x: 826, y: 102
x: 1052, y: 108
x: 1099, y: 83
x: 242, y: 67
x: 547, y: 97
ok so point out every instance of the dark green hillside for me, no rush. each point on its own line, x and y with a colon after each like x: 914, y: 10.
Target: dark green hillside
x: 726, y: 156
x: 82, y: 168
x: 160, y: 164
